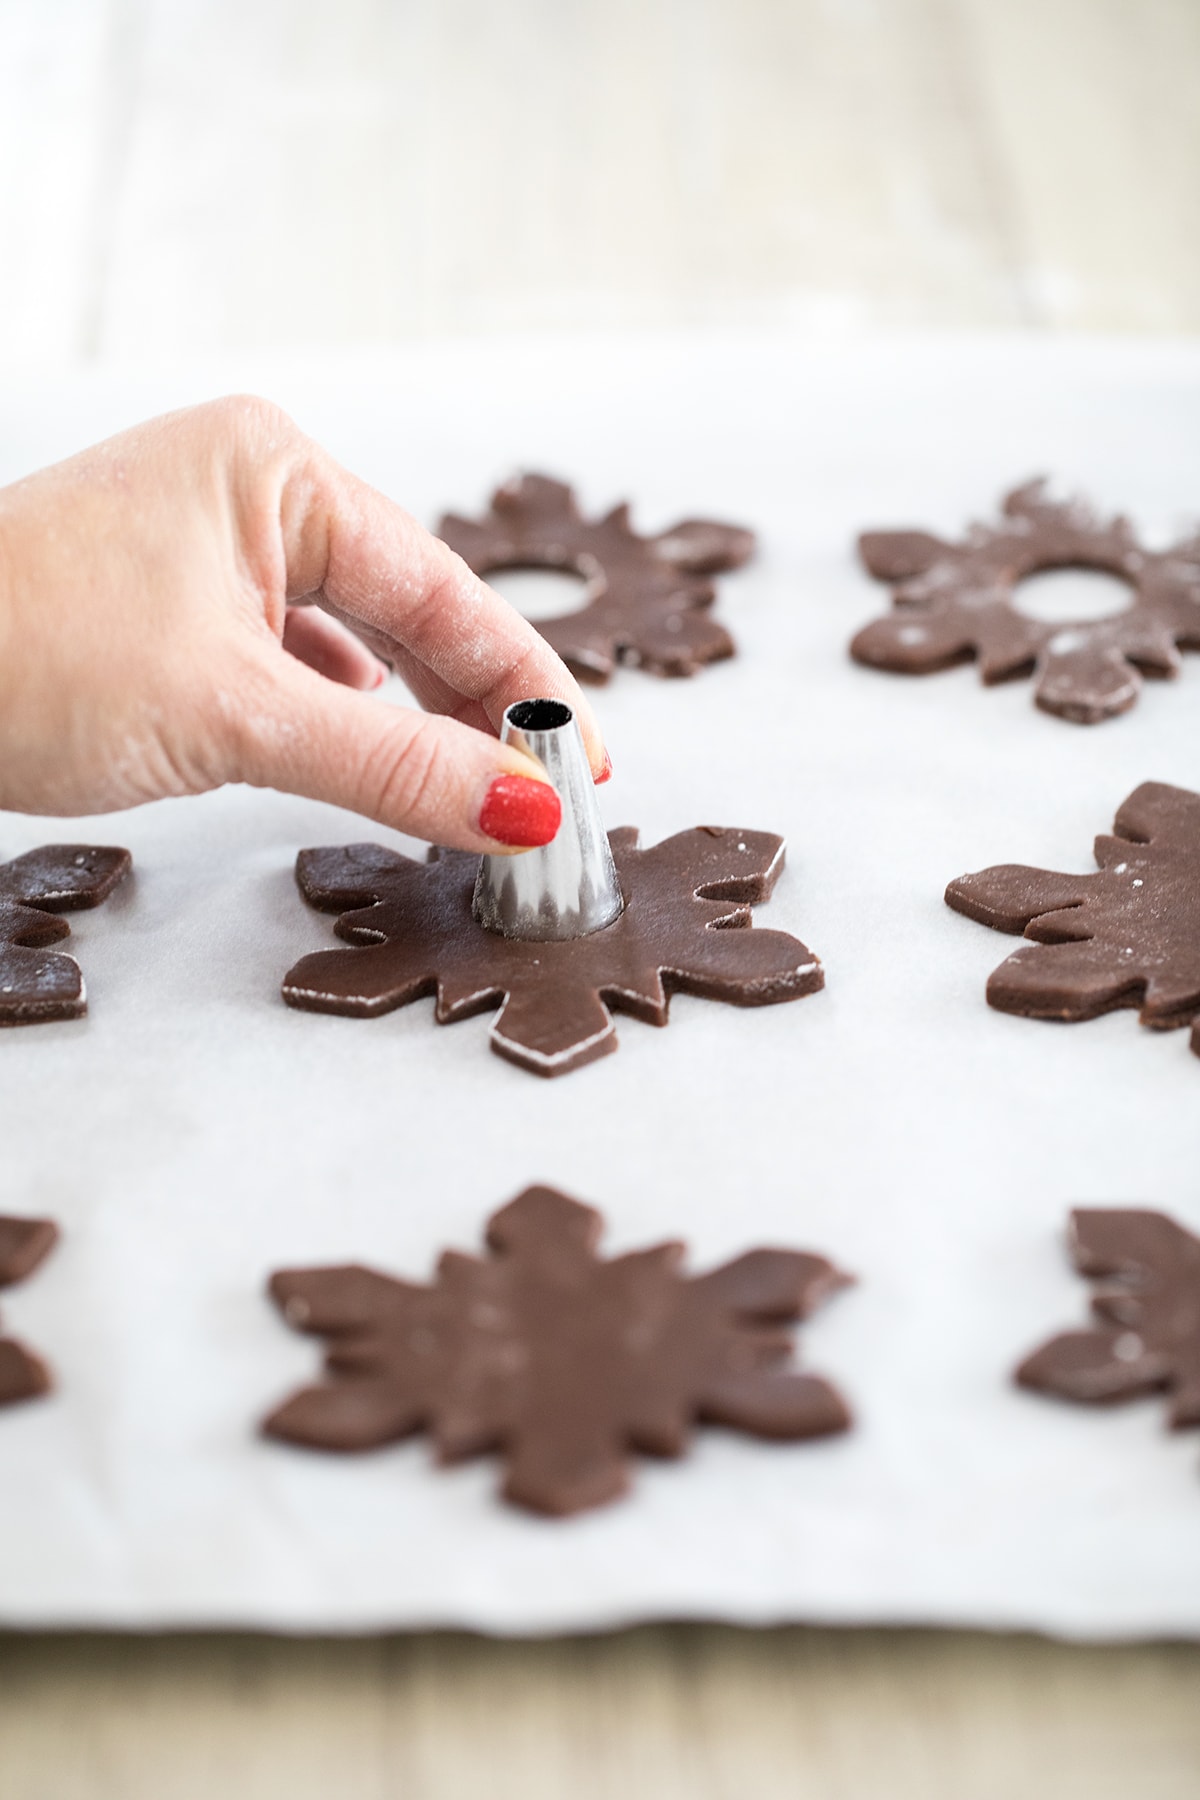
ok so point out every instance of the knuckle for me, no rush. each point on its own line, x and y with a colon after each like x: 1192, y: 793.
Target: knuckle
x: 404, y: 778
x: 248, y: 419
x: 446, y: 588
x: 252, y: 735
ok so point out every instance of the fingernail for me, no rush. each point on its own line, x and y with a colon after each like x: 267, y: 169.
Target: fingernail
x: 520, y: 812
x: 381, y: 676
x: 605, y: 773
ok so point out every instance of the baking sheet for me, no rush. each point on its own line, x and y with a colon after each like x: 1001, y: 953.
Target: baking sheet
x: 194, y: 1133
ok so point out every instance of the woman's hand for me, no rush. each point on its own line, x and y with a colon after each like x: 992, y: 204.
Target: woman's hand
x: 169, y: 607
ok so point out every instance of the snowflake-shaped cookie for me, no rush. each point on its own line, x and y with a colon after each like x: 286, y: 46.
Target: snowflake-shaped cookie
x: 685, y: 929
x: 647, y: 599
x: 955, y: 602
x: 1128, y: 935
x: 24, y: 1243
x: 1147, y: 1334
x: 34, y: 890
x: 562, y: 1362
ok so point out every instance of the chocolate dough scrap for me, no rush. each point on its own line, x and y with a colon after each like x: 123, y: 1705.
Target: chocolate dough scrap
x: 24, y: 1243
x: 560, y: 1361
x: 37, y: 984
x: 686, y: 928
x: 954, y: 602
x: 1146, y: 1338
x: 647, y: 597
x: 1128, y: 935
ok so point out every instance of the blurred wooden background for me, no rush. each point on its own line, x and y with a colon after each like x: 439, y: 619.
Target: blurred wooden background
x: 183, y: 175
x: 189, y: 176
x: 664, y: 1713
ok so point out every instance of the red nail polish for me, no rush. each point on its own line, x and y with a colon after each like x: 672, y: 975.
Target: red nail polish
x: 520, y: 812
x: 606, y: 772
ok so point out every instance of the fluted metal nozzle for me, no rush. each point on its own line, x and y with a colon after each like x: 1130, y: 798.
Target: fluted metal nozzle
x: 569, y: 887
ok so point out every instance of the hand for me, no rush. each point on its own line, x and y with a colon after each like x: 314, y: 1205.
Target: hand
x: 169, y: 607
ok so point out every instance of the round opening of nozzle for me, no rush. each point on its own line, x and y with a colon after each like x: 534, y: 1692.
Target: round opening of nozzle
x: 539, y: 715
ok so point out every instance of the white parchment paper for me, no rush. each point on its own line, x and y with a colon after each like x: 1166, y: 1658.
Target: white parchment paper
x: 193, y: 1133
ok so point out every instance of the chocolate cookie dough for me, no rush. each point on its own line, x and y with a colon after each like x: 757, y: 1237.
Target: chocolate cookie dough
x: 955, y: 602
x: 647, y: 599
x: 24, y: 1243
x: 1147, y: 1333
x: 563, y: 1363
x: 36, y: 984
x: 1128, y: 935
x: 685, y: 929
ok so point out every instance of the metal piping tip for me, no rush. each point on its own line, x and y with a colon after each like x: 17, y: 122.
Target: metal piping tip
x: 569, y: 887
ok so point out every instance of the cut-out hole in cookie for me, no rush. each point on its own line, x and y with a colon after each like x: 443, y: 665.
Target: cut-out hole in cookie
x: 541, y: 593
x: 1072, y: 596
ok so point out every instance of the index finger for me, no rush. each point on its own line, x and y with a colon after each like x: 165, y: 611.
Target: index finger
x: 370, y: 564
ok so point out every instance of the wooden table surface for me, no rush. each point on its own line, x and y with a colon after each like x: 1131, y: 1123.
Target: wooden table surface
x: 183, y: 176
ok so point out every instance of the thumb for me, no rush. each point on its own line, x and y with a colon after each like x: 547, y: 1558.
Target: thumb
x: 416, y: 772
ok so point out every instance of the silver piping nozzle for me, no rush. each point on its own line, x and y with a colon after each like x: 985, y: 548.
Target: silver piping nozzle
x: 569, y: 887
